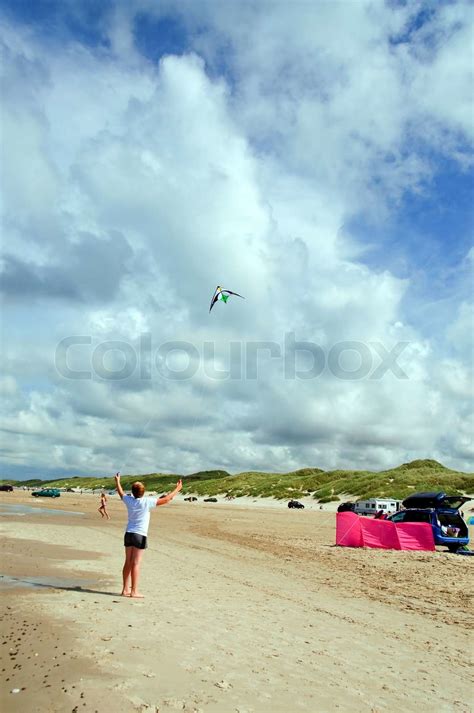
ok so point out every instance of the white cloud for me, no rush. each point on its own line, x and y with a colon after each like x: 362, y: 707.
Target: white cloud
x: 460, y: 332
x: 147, y: 185
x: 336, y: 94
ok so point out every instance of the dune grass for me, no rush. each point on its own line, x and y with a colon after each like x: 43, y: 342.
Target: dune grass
x: 324, y: 486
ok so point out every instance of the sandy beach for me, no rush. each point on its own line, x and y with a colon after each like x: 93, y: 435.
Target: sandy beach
x: 246, y: 610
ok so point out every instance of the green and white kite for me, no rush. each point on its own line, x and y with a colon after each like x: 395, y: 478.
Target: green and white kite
x: 222, y: 295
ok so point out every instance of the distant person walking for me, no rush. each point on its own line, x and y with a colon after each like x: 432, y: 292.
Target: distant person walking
x: 135, y: 538
x: 103, y: 506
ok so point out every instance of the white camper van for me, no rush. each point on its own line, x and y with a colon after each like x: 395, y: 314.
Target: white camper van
x: 370, y: 507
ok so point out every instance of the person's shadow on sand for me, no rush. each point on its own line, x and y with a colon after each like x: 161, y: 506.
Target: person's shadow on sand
x: 66, y: 588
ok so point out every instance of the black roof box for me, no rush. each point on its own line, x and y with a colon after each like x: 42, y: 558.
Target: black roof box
x: 439, y: 501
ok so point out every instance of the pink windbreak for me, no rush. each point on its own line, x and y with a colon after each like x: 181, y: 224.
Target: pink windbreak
x: 355, y: 531
x: 348, y: 532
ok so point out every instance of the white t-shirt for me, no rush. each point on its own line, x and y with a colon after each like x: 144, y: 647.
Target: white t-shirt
x: 139, y: 513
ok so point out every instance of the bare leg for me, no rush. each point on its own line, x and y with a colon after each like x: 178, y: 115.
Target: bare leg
x: 135, y: 572
x: 101, y: 512
x: 126, y: 571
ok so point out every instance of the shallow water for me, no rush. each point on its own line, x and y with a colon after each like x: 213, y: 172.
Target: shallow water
x: 8, y: 509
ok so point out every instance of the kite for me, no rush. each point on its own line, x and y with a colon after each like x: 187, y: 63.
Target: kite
x: 223, y: 295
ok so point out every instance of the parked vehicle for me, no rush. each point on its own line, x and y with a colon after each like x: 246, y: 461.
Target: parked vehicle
x: 346, y: 507
x: 373, y: 505
x: 295, y: 504
x: 6, y: 488
x: 46, y: 493
x: 210, y: 500
x: 441, y: 511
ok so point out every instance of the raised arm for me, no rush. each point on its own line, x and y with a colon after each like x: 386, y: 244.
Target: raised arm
x: 166, y: 498
x: 118, y: 486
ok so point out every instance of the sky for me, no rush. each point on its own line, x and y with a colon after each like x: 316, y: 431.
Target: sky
x: 314, y: 157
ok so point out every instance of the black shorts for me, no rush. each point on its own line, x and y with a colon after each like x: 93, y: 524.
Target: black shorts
x: 133, y: 539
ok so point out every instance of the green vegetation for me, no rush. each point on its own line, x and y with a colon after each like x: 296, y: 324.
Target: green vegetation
x: 324, y: 486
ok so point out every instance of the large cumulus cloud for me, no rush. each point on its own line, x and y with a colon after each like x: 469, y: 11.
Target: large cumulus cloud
x: 133, y: 187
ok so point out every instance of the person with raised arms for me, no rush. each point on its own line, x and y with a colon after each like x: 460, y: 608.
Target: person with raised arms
x: 135, y: 539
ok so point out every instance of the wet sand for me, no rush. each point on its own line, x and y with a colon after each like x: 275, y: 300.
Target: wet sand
x: 247, y: 610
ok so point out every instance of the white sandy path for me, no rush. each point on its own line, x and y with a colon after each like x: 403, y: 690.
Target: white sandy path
x: 227, y: 628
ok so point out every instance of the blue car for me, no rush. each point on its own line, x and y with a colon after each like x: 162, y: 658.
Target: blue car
x: 46, y: 493
x: 441, y: 511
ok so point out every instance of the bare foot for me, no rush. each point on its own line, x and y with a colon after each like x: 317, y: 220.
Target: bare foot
x: 137, y: 595
x: 125, y: 594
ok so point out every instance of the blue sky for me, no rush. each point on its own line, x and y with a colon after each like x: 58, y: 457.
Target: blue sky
x: 431, y: 230
x: 315, y: 157
x: 158, y: 37
x: 62, y: 21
